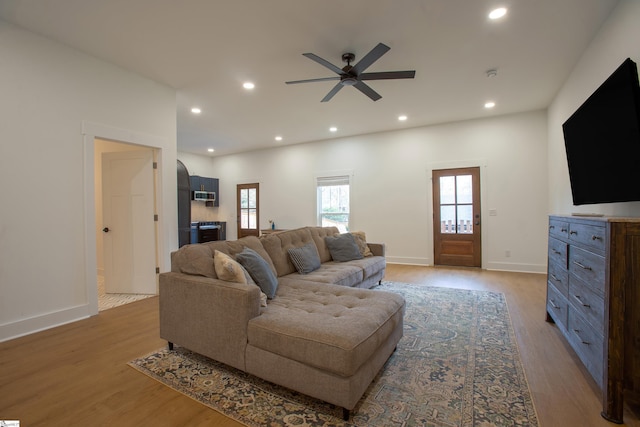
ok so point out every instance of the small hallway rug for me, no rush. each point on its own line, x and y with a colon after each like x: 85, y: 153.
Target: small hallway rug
x: 457, y: 365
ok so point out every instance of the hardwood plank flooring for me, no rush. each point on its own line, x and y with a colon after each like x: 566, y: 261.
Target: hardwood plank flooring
x: 76, y: 374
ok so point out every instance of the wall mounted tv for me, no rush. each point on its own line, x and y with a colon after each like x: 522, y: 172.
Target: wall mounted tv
x: 602, y: 141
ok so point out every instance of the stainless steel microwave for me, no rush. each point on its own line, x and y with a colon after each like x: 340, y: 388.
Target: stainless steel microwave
x: 204, y: 196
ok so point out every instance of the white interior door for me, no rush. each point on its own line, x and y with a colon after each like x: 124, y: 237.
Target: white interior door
x: 128, y: 222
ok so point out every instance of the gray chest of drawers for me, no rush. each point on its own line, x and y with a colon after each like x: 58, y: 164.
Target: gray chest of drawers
x: 593, y: 294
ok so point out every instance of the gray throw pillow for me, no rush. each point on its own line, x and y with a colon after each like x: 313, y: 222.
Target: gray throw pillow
x: 343, y: 247
x: 259, y: 271
x: 305, y: 258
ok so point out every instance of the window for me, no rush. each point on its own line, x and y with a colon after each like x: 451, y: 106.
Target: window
x: 456, y: 204
x: 333, y: 202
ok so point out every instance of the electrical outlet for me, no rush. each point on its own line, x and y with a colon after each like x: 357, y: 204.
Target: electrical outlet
x: 493, y: 212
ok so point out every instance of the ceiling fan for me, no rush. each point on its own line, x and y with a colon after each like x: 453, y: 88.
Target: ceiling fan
x: 353, y: 75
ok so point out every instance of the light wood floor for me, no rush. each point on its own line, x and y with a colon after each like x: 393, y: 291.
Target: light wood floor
x: 76, y: 375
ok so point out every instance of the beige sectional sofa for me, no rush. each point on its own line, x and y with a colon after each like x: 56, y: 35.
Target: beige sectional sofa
x: 322, y: 334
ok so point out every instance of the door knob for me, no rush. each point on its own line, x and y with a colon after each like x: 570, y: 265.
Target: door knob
x: 106, y: 229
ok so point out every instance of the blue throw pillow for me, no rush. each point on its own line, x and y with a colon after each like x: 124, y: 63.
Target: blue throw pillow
x: 343, y: 247
x: 259, y: 271
x: 305, y: 258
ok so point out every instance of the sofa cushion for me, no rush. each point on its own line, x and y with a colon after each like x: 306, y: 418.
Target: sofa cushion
x: 259, y: 271
x: 305, y: 258
x: 370, y: 265
x: 197, y: 259
x: 343, y: 247
x: 336, y: 273
x: 228, y: 269
x: 361, y: 241
x: 231, y: 270
x: 276, y: 246
x: 329, y: 327
x: 318, y: 234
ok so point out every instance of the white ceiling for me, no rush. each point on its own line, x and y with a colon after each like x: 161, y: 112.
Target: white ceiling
x: 206, y: 49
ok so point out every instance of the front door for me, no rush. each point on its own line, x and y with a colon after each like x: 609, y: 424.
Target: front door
x: 248, y: 208
x: 128, y: 222
x: 456, y: 217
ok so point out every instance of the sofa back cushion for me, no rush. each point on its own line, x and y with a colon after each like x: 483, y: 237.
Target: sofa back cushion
x: 197, y: 259
x: 318, y: 234
x: 277, y: 246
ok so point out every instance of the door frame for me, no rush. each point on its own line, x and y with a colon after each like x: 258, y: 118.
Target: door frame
x: 480, y: 163
x: 256, y: 185
x: 90, y: 132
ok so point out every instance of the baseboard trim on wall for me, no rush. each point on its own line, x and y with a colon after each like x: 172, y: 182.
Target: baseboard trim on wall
x: 408, y: 261
x: 31, y: 325
x: 517, y: 268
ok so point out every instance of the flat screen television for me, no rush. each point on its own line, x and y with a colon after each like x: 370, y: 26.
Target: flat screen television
x: 602, y: 141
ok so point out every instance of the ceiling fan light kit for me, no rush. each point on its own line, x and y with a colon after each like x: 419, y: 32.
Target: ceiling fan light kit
x: 354, y: 75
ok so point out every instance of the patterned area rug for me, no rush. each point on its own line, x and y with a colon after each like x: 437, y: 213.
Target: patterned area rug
x: 457, y: 365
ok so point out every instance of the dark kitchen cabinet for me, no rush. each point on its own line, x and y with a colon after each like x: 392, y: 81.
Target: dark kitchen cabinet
x: 201, y: 183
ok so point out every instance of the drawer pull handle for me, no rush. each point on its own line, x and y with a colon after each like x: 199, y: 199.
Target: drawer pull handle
x: 577, y: 331
x: 596, y: 238
x: 557, y: 252
x: 554, y: 277
x: 553, y: 304
x: 551, y: 227
x: 563, y: 230
x: 580, y: 299
x: 584, y: 267
x: 573, y: 232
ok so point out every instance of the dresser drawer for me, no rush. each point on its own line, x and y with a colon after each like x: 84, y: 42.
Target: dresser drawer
x: 558, y: 277
x: 587, y: 343
x: 588, y: 267
x: 558, y: 251
x: 558, y: 228
x: 592, y: 236
x: 557, y: 307
x: 588, y: 304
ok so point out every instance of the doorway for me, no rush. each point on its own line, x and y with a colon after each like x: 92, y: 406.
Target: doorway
x: 248, y: 209
x: 456, y: 217
x: 126, y: 246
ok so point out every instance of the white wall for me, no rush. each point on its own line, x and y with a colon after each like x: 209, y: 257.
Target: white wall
x: 391, y: 190
x: 49, y: 95
x: 616, y: 41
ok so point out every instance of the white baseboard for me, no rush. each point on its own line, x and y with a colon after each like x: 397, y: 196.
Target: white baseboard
x: 407, y: 260
x: 23, y: 327
x: 516, y: 267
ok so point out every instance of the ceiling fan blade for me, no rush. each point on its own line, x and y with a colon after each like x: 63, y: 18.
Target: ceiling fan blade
x: 323, y: 79
x: 370, y: 58
x: 364, y: 88
x: 323, y: 62
x: 387, y: 75
x: 332, y: 92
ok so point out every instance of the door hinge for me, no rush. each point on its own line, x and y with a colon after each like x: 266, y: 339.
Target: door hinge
x: 155, y: 217
x: 157, y: 270
x: 155, y: 165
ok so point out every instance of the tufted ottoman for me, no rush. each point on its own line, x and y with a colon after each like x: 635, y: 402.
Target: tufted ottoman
x: 324, y: 340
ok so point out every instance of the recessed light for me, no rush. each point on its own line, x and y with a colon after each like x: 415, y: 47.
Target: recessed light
x: 333, y: 129
x: 402, y: 118
x: 196, y: 110
x: 489, y: 104
x: 211, y: 150
x: 248, y: 85
x: 278, y: 138
x: 498, y: 13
